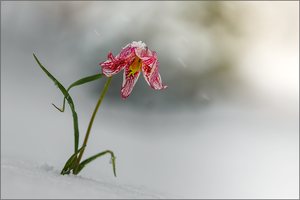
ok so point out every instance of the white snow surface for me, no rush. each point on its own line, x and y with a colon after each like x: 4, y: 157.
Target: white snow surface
x: 238, y: 152
x: 26, y: 179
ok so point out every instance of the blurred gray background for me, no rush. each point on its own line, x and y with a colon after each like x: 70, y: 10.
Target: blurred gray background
x: 226, y: 127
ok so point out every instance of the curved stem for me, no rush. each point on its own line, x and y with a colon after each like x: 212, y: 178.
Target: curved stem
x: 91, y: 121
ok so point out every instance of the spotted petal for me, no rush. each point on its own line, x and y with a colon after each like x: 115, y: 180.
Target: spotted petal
x: 146, y: 55
x: 113, y: 65
x: 129, y: 81
x: 152, y: 75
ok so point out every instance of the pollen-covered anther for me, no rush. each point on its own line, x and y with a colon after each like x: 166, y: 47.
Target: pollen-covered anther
x: 135, y: 66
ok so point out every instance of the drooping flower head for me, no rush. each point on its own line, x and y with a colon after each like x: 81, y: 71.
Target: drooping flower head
x: 134, y: 58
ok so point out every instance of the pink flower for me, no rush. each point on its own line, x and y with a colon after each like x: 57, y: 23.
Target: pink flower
x: 134, y: 58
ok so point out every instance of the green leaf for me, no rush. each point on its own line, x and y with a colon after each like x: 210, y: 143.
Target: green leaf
x: 71, y: 161
x: 77, y: 83
x: 69, y: 100
x: 85, y: 162
x: 85, y: 80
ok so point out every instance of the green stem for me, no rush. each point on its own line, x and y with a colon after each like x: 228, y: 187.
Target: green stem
x: 91, y: 122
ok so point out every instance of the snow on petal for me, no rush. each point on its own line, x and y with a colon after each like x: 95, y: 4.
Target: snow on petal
x: 138, y: 44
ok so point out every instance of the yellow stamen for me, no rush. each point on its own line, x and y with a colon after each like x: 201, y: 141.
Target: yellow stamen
x: 135, y: 66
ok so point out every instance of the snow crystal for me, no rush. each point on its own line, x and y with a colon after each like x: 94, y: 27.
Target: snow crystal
x: 138, y: 44
x: 182, y: 62
x: 97, y: 33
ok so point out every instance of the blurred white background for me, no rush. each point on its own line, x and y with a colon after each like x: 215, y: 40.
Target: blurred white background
x: 226, y: 127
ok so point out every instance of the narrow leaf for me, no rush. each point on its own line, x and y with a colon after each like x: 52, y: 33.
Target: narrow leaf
x: 77, y: 83
x: 71, y: 161
x: 60, y: 109
x: 69, y: 100
x: 85, y: 162
x: 85, y: 80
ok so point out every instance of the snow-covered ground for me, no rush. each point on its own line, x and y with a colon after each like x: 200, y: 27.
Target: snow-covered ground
x: 21, y: 179
x: 238, y: 152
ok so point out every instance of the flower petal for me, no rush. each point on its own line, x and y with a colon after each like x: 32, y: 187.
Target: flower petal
x: 115, y: 64
x: 152, y: 75
x: 146, y: 55
x: 129, y: 81
x: 127, y: 53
